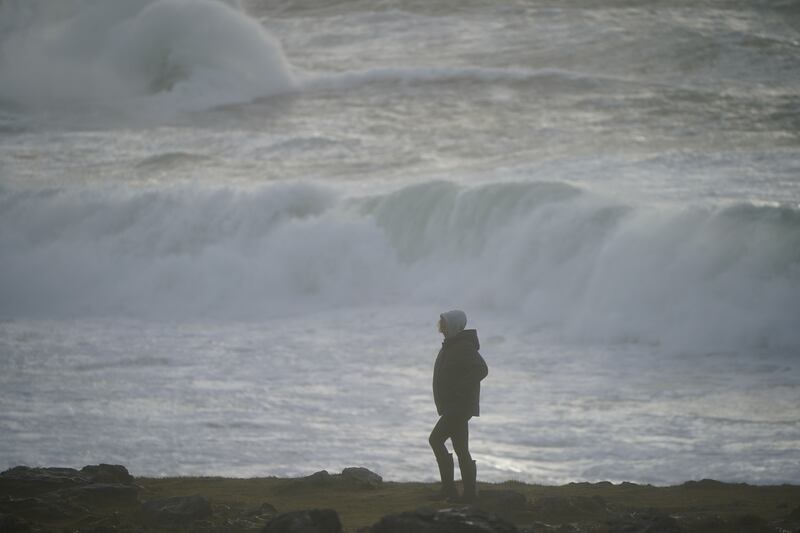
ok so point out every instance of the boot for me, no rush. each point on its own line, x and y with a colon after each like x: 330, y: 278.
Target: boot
x: 469, y: 475
x: 446, y: 468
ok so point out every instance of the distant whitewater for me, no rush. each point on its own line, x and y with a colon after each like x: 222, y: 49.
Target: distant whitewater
x: 185, y: 53
x: 590, y: 267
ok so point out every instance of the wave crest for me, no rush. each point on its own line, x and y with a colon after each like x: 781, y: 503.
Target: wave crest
x: 550, y: 255
x: 187, y: 53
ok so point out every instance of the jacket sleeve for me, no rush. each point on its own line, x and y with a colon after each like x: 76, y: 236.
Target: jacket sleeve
x: 469, y: 368
x: 479, y: 368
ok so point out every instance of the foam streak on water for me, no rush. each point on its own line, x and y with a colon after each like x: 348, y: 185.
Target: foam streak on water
x: 291, y: 396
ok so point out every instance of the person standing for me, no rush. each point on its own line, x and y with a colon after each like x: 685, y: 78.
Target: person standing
x: 457, y: 376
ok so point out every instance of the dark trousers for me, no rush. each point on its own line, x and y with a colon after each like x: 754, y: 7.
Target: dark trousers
x: 455, y: 428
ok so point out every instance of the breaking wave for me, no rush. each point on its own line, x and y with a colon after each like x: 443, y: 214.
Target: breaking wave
x: 550, y: 255
x: 191, y: 54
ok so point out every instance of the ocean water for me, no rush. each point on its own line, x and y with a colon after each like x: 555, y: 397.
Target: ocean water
x: 227, y: 230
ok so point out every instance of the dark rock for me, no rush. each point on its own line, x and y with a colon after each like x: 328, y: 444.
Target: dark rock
x: 792, y: 521
x: 645, y: 522
x: 315, y: 480
x: 737, y: 524
x: 229, y: 525
x: 350, y: 477
x: 751, y: 524
x: 539, y: 527
x: 26, y: 481
x: 362, y: 477
x: 704, y: 484
x: 707, y: 524
x: 104, y: 524
x: 574, y: 507
x: 795, y: 514
x: 175, y: 511
x: 318, y: 478
x: 312, y: 521
x: 102, y: 494
x: 262, y: 510
x: 97, y: 529
x: 104, y: 473
x: 232, y: 520
x: 463, y: 520
x: 501, y: 500
x: 38, y: 508
x: 12, y: 524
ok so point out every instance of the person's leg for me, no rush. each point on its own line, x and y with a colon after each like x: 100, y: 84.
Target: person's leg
x: 460, y: 438
x: 459, y: 433
x: 441, y: 432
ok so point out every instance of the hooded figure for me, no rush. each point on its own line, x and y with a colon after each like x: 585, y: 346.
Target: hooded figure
x: 457, y: 376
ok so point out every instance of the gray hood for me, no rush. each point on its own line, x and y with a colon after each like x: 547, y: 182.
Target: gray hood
x: 454, y: 322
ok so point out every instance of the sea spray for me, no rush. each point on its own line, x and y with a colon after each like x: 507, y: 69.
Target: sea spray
x: 602, y: 270
x: 180, y: 252
x: 550, y: 254
x: 171, y: 54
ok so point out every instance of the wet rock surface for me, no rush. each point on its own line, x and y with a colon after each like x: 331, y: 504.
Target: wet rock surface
x: 104, y: 473
x: 645, y: 522
x: 540, y: 527
x: 13, y: 524
x: 795, y: 514
x: 317, y: 478
x: 499, y: 500
x: 107, y: 499
x: 457, y: 520
x: 311, y: 521
x: 178, y: 510
x: 352, y: 477
x: 30, y: 496
x: 577, y: 507
x: 265, y: 509
x: 102, y: 494
x: 362, y: 477
x: 27, y: 481
x: 38, y: 508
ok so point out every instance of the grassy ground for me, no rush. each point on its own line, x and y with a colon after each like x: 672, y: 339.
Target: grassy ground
x: 697, y: 505
x: 238, y: 505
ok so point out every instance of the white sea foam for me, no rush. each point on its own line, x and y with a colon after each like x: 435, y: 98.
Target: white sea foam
x: 550, y: 253
x: 187, y: 54
x: 440, y: 74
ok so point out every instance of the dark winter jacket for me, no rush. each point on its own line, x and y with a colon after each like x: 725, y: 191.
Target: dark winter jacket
x: 457, y: 375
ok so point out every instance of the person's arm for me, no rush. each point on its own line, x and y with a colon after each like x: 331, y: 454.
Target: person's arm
x: 469, y: 368
x: 479, y: 368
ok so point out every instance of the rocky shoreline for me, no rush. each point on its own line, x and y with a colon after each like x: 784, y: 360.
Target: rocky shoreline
x: 108, y: 499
